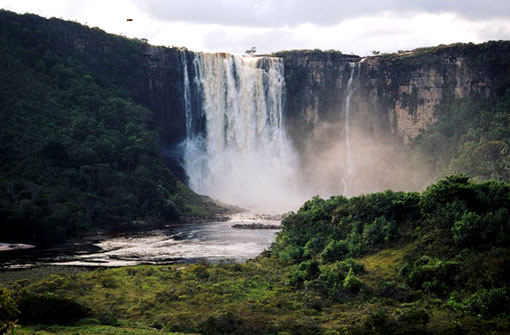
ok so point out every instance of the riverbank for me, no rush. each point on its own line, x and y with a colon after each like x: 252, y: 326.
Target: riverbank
x: 39, y: 272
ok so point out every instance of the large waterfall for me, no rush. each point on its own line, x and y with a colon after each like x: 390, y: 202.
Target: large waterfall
x: 241, y: 155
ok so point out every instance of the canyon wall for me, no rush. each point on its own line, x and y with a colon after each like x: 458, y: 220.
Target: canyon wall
x: 352, y: 139
x: 394, y: 96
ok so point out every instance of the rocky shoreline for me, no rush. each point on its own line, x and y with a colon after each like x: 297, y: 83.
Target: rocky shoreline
x: 15, y: 246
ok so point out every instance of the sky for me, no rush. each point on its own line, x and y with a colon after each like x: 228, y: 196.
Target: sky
x: 354, y: 26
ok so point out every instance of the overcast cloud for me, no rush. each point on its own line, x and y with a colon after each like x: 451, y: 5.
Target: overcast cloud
x: 358, y: 26
x: 283, y: 13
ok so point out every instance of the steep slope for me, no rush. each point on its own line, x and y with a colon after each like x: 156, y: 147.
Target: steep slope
x: 77, y: 151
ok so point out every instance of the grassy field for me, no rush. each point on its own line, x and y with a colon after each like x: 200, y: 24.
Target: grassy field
x: 251, y: 298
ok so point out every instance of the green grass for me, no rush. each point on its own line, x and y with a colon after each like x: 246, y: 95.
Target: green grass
x: 255, y: 298
x: 384, y: 264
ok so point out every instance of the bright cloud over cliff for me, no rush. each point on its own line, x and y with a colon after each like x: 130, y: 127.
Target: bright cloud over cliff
x: 271, y: 25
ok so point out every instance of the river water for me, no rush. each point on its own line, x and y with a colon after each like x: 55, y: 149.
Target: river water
x: 213, y: 242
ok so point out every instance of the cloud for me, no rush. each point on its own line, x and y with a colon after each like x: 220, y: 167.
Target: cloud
x: 271, y: 25
x: 291, y: 13
x: 387, y: 32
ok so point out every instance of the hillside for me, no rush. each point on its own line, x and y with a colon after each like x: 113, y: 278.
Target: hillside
x: 78, y: 153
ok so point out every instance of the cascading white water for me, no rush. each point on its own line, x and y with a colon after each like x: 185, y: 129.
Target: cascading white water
x: 244, y: 157
x: 187, y: 95
x: 350, y: 165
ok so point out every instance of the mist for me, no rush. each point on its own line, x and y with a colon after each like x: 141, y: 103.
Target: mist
x: 380, y: 163
x: 280, y: 182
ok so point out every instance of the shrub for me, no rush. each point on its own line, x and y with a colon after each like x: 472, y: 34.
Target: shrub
x: 48, y: 310
x: 350, y: 263
x: 473, y: 230
x: 376, y: 322
x: 335, y: 250
x: 297, y: 278
x: 312, y: 248
x: 352, y: 283
x: 489, y: 303
x: 227, y: 323
x: 306, y: 271
x: 199, y: 272
x: 378, y: 232
x: 392, y: 289
x: 311, y: 268
x: 291, y: 253
x: 431, y: 274
x: 413, y: 316
x: 108, y: 319
x: 8, y: 311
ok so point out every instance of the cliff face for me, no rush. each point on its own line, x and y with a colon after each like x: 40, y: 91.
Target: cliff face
x: 398, y: 94
x: 413, y: 88
x: 160, y: 88
x: 394, y: 96
x: 316, y: 84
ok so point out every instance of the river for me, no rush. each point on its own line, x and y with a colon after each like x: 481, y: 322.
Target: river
x: 186, y: 243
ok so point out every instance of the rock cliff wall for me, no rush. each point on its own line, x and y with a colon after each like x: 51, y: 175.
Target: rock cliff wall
x: 316, y: 83
x: 397, y: 94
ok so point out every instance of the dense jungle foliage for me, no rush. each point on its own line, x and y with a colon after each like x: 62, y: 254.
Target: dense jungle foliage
x: 383, y: 263
x: 471, y: 137
x: 77, y: 153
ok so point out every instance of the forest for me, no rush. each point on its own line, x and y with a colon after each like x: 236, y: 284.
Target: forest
x: 78, y: 154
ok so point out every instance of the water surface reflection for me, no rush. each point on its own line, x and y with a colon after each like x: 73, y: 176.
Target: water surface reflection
x: 183, y: 243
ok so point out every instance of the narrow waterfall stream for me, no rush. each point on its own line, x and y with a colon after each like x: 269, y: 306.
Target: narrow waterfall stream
x: 350, y: 164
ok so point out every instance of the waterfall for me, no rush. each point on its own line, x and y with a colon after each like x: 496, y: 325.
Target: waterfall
x: 187, y: 95
x: 350, y: 166
x: 243, y: 155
